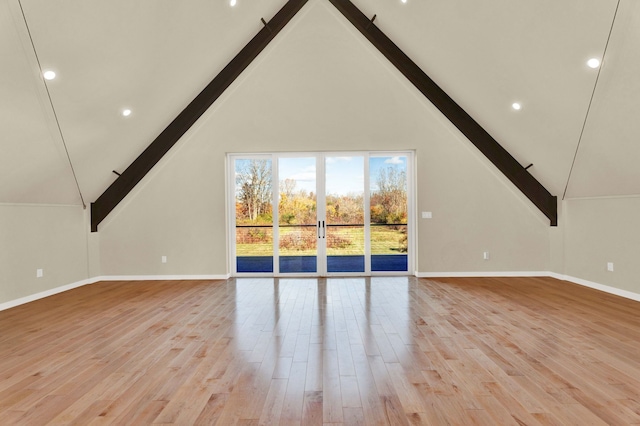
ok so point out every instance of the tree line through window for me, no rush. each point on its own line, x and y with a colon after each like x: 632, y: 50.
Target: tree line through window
x: 298, y: 212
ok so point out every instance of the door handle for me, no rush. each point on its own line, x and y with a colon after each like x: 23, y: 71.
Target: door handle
x: 322, y: 232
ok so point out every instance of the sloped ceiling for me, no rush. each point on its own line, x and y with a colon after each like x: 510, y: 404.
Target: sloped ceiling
x: 150, y: 56
x: 33, y: 163
x: 155, y: 56
x: 607, y: 160
x: 488, y: 54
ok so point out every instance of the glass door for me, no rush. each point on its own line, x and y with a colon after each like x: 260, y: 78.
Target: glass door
x: 299, y: 226
x: 389, y: 212
x: 253, y: 210
x: 345, y: 213
x: 319, y: 214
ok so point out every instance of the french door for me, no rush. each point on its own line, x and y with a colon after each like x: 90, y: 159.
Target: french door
x: 321, y: 213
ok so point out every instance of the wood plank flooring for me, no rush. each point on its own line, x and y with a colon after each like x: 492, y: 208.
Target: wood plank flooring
x: 361, y: 351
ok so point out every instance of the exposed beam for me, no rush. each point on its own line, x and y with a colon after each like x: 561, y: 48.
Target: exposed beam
x: 183, y: 122
x: 119, y: 189
x: 508, y: 165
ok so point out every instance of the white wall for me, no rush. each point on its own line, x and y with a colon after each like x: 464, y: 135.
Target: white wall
x: 51, y: 238
x: 557, y: 246
x: 179, y: 211
x: 323, y: 88
x: 599, y: 231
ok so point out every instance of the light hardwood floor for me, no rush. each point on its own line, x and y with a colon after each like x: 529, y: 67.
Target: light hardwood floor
x: 387, y: 350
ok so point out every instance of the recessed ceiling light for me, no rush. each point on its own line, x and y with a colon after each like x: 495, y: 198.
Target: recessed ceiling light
x: 126, y: 112
x: 232, y: 3
x: 593, y: 63
x: 404, y: 1
x: 516, y: 106
x: 49, y: 75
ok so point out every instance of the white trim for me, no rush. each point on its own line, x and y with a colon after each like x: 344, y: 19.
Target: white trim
x: 482, y: 274
x: 607, y: 289
x: 602, y: 197
x: 38, y: 205
x: 162, y: 277
x: 21, y: 301
x: 32, y: 298
x: 601, y: 287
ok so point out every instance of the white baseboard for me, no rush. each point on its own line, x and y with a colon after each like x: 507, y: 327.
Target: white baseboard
x: 607, y: 289
x: 162, y: 277
x: 482, y: 274
x: 21, y: 301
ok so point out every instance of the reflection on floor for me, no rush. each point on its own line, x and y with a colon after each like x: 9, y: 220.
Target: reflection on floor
x: 313, y: 351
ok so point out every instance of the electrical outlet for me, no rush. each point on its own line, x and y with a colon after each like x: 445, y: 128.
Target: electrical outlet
x: 610, y: 266
x: 427, y: 215
x: 485, y: 255
x: 39, y: 273
x: 164, y: 259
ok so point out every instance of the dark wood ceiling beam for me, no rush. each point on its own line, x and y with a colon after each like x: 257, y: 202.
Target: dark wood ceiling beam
x: 508, y: 165
x: 517, y: 174
x: 119, y: 189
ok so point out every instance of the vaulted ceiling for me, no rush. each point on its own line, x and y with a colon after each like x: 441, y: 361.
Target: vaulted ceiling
x: 63, y: 137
